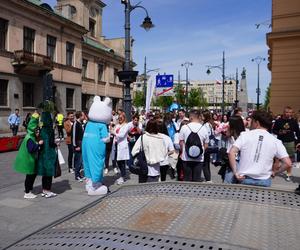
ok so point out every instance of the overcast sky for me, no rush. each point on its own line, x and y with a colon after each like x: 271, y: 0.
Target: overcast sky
x: 196, y: 31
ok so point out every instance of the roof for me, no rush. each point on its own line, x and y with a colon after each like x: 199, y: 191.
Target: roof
x: 47, y: 7
x: 97, y: 45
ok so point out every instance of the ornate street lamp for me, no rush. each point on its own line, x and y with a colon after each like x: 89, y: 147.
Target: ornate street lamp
x: 258, y: 60
x: 222, y: 68
x: 128, y: 76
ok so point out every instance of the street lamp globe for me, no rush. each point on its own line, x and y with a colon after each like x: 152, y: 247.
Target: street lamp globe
x: 147, y: 23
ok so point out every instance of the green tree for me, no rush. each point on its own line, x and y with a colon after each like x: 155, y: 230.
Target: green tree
x: 139, y: 99
x: 196, y: 98
x: 163, y: 101
x: 179, y: 94
x: 267, y: 97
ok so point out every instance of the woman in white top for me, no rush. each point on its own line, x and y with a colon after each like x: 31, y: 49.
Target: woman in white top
x: 121, y: 145
x: 154, y: 149
x: 164, y: 165
x: 236, y: 127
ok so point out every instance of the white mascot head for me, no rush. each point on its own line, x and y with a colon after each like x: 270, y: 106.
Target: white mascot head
x: 101, y: 111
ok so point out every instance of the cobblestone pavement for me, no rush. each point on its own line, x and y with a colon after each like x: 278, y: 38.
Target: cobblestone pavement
x: 19, y: 217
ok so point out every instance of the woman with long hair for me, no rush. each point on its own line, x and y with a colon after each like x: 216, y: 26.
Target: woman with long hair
x: 154, y: 149
x: 236, y: 127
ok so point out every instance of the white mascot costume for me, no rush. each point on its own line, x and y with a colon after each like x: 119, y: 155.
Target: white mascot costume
x: 93, y: 145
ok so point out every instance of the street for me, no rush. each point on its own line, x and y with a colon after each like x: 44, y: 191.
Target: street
x: 20, y: 217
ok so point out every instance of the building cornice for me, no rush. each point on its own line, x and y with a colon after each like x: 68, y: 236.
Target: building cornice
x: 281, y: 35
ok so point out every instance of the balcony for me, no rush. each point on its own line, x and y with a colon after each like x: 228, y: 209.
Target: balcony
x: 31, y: 63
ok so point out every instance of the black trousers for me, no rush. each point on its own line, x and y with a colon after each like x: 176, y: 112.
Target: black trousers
x: 70, y: 155
x: 192, y: 170
x: 47, y: 182
x: 14, y: 130
x: 107, y: 153
x: 29, y: 180
x: 206, y: 167
x: 163, y: 172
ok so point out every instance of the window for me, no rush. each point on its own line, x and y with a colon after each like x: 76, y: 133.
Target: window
x: 51, y: 45
x: 92, y: 27
x: 115, y: 75
x: 84, y: 67
x: 28, y: 40
x: 3, y: 92
x: 70, y: 97
x: 69, y: 54
x: 100, y: 72
x: 3, y: 33
x: 28, y: 89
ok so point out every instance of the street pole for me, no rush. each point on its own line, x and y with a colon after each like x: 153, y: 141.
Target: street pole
x: 236, y: 87
x: 127, y: 95
x: 258, y: 60
x: 223, y: 84
x: 127, y: 75
x: 186, y: 65
x: 145, y: 79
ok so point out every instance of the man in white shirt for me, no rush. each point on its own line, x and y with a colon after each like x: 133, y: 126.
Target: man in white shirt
x: 192, y: 166
x: 258, y: 148
x: 181, y: 117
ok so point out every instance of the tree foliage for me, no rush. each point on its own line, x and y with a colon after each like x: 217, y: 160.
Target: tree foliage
x: 179, y: 94
x: 139, y: 99
x: 163, y: 101
x: 196, y: 98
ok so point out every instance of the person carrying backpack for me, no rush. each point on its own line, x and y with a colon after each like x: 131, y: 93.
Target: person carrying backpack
x: 193, y: 140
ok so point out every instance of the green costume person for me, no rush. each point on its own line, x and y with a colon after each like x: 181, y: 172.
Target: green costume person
x: 47, y: 157
x: 25, y: 162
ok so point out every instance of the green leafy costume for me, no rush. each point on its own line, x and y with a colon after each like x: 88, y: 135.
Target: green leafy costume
x: 25, y: 162
x: 47, y: 157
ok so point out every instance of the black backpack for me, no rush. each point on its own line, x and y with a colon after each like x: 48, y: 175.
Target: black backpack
x: 193, y: 145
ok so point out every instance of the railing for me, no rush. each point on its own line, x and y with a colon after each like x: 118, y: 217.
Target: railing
x: 34, y: 58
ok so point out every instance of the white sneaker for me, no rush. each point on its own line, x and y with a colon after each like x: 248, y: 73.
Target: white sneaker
x: 105, y: 171
x: 209, y: 182
x: 49, y: 194
x: 29, y: 195
x: 288, y: 178
x: 79, y: 179
x: 102, y: 190
x: 120, y: 181
x: 116, y: 171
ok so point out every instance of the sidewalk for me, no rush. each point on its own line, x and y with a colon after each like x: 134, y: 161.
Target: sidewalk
x: 20, y: 217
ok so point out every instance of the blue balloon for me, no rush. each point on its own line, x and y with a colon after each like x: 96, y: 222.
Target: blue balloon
x: 173, y: 107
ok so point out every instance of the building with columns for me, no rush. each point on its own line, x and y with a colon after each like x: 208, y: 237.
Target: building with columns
x: 64, y: 46
x: 284, y: 55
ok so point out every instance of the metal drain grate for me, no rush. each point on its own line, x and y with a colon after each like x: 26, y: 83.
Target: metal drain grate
x: 112, y: 239
x: 227, y: 192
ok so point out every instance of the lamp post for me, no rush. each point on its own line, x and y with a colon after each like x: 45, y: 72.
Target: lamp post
x: 145, y: 76
x: 258, y: 60
x: 236, y: 102
x: 186, y: 65
x: 222, y: 68
x: 128, y: 76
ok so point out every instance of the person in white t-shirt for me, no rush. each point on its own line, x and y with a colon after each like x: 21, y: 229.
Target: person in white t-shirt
x: 164, y: 165
x: 258, y: 148
x: 192, y: 166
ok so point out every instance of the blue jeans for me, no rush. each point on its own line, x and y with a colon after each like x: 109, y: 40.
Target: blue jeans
x: 256, y: 182
x: 229, y: 177
x: 77, y: 163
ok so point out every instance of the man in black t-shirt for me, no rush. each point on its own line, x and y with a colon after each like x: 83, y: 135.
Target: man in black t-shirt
x: 287, y: 130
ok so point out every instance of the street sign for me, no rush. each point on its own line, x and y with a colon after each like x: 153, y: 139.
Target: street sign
x: 164, y: 85
x: 164, y: 81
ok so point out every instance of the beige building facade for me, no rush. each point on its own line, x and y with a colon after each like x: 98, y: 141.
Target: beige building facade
x: 284, y: 55
x: 66, y: 45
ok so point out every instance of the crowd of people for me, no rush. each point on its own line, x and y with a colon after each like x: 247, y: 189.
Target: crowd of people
x: 248, y: 150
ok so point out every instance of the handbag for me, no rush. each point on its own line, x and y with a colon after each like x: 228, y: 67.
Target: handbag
x: 139, y: 165
x: 57, y: 169
x: 61, y: 159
